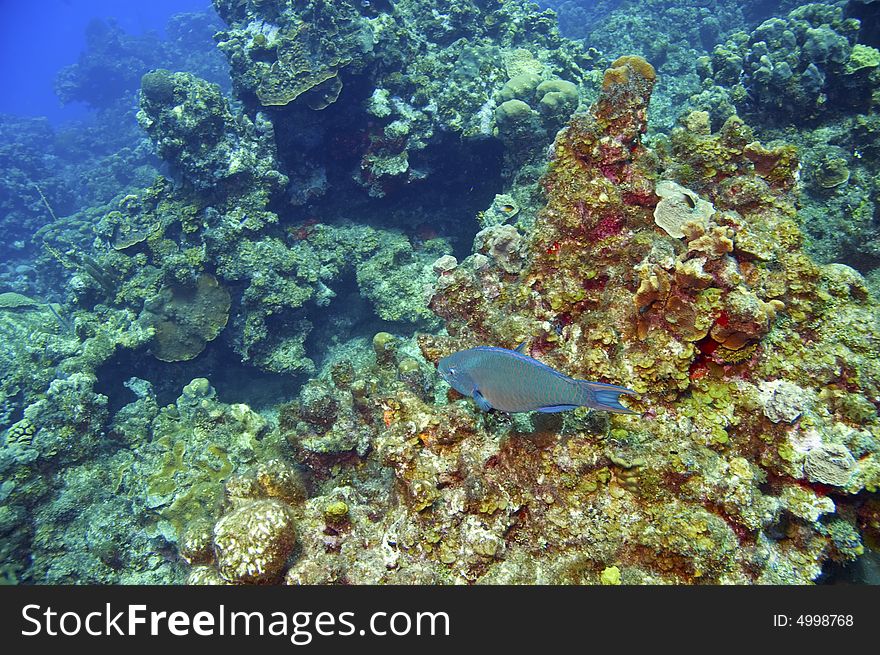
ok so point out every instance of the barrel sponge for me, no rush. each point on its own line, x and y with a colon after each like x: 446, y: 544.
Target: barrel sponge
x: 254, y: 541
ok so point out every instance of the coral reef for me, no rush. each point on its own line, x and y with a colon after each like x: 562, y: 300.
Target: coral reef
x: 810, y: 69
x: 700, y: 332
x: 225, y: 374
x: 483, y: 68
x: 670, y: 34
x: 739, y: 470
x: 800, y: 66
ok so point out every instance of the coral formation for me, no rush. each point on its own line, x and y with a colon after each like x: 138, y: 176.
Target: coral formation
x: 225, y: 374
x: 807, y: 63
x: 193, y: 129
x: 254, y: 541
x: 809, y: 70
x: 679, y: 206
x: 483, y: 67
x: 737, y: 471
x: 185, y: 318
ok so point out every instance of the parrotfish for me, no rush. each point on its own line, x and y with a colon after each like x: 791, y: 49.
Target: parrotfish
x: 511, y: 381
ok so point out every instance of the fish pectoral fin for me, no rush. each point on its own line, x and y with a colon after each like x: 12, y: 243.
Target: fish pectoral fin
x: 482, y: 403
x: 557, y: 408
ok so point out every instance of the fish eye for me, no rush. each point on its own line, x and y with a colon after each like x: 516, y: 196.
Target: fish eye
x: 452, y: 371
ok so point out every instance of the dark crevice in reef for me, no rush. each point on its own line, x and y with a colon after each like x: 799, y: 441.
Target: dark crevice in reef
x: 234, y: 381
x: 347, y: 317
x: 463, y: 180
x: 864, y: 570
x: 462, y: 175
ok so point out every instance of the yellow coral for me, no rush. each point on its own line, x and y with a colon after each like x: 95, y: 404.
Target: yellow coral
x: 620, y: 70
x: 610, y: 576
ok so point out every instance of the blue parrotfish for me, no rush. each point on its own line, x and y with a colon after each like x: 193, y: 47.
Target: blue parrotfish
x: 511, y: 381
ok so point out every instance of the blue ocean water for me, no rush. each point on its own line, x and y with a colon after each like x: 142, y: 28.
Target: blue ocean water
x: 238, y: 236
x: 39, y: 38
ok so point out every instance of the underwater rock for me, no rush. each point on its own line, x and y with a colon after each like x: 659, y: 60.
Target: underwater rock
x: 11, y: 300
x: 444, y: 264
x: 197, y: 543
x: 279, y: 479
x: 385, y: 346
x: 342, y: 373
x: 417, y: 379
x: 307, y: 59
x: 831, y: 172
x: 805, y: 503
x: 503, y: 244
x: 183, y: 455
x: 518, y: 125
x: 503, y: 208
x: 802, y: 65
x: 109, y: 66
x: 747, y: 319
x: 194, y: 129
x: 317, y: 404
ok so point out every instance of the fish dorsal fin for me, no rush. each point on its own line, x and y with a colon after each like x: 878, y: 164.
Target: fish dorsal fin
x: 482, y: 403
x: 521, y: 348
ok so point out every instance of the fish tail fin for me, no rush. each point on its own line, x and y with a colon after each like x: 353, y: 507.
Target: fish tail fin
x: 606, y: 396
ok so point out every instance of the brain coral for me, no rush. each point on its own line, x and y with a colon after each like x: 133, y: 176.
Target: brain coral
x: 254, y: 541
